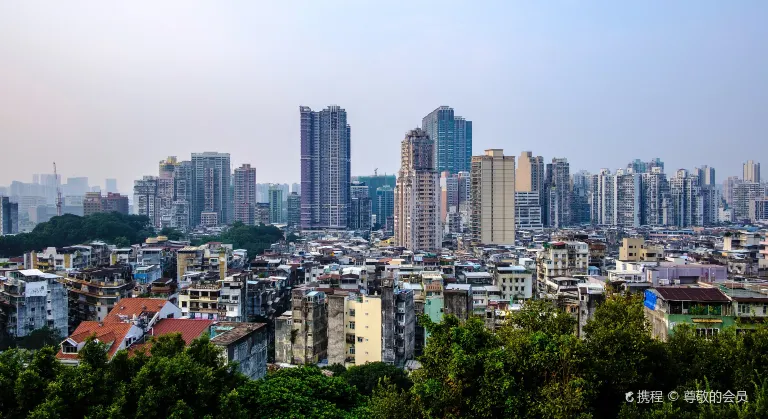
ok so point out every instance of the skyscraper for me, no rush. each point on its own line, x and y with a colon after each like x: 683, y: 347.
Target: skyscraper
x: 360, y: 207
x: 276, y: 204
x: 529, y: 175
x: 639, y: 166
x: 628, y: 194
x: 557, y: 193
x: 729, y: 185
x: 603, y: 198
x: 452, y: 138
x: 493, y: 198
x: 455, y: 198
x: 385, y: 204
x: 706, y: 175
x: 245, y: 194
x: 374, y: 182
x: 145, y: 198
x: 294, y: 209
x: 211, y: 191
x: 744, y: 194
x: 417, y: 214
x: 580, y: 200
x: 9, y: 216
x: 656, y: 199
x: 687, y: 206
x: 751, y: 171
x: 325, y: 168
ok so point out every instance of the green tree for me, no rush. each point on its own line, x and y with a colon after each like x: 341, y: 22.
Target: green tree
x: 40, y: 338
x: 171, y: 233
x: 367, y: 377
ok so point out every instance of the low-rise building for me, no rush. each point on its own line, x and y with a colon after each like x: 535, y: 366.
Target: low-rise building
x: 707, y: 309
x: 94, y: 292
x: 243, y: 343
x: 32, y: 300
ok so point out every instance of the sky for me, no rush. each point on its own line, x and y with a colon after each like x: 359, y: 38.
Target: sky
x: 108, y: 89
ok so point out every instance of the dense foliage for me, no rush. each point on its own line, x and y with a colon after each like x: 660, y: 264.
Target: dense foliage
x: 535, y: 367
x: 254, y: 239
x: 68, y: 230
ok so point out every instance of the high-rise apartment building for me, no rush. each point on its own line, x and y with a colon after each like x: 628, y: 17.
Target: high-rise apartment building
x: 375, y: 182
x: 687, y: 206
x: 628, y: 195
x: 706, y: 176
x: 639, y: 166
x: 114, y: 202
x: 295, y: 187
x: 729, y: 184
x: 245, y: 194
x: 751, y: 171
x: 744, y: 194
x: 529, y: 175
x: 417, y: 213
x: 557, y: 193
x: 91, y: 203
x: 603, y: 198
x: 580, y: 200
x: 527, y: 211
x: 293, y: 204
x: 276, y: 204
x: 452, y: 138
x: 325, y: 168
x: 211, y: 192
x: 455, y: 198
x: 9, y: 216
x: 385, y: 204
x: 360, y: 207
x: 656, y: 200
x: 493, y: 198
x: 145, y: 198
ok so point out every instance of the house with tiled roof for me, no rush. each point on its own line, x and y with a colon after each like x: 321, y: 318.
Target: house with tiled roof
x: 116, y: 335
x: 189, y: 329
x: 149, y: 309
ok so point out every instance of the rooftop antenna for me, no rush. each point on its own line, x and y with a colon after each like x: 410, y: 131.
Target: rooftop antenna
x: 58, y: 191
x: 376, y: 171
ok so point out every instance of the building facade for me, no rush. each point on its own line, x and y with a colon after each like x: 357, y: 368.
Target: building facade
x: 325, y: 168
x: 9, y: 216
x: 417, y: 212
x: 245, y: 194
x: 452, y: 138
x: 751, y: 172
x: 493, y: 198
x: 211, y: 192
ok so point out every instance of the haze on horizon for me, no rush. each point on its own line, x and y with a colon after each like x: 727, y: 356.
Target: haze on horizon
x: 109, y: 89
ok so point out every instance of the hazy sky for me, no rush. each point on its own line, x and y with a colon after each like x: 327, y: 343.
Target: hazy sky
x: 108, y: 89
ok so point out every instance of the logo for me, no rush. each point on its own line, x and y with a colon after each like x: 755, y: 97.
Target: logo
x: 673, y: 396
x: 628, y: 396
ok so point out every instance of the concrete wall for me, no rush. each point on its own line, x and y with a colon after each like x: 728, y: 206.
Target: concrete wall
x: 337, y: 347
x: 387, y: 325
x: 283, y: 345
x: 368, y: 330
x: 250, y: 354
x: 457, y: 303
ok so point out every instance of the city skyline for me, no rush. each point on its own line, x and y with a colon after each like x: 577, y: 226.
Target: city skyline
x: 566, y: 80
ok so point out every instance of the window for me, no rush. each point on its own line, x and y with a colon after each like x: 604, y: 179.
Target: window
x: 352, y: 313
x: 744, y: 308
x: 352, y: 325
x: 68, y: 349
x: 359, y: 339
x: 184, y: 304
x: 352, y: 350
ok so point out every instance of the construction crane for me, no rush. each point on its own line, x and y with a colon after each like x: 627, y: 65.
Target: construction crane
x: 58, y: 190
x: 376, y: 171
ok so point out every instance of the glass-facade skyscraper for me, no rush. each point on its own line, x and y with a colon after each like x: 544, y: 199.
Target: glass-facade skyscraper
x: 452, y: 137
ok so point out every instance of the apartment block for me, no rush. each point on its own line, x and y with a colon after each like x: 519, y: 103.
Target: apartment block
x: 94, y: 292
x: 34, y: 300
x: 628, y: 199
x: 9, y: 216
x: 301, y: 335
x: 245, y: 194
x: 636, y: 249
x: 493, y: 198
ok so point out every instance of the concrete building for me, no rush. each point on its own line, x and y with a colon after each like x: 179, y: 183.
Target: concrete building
x: 452, y: 140
x: 94, y: 292
x: 758, y: 210
x: 628, y: 199
x: 527, y: 211
x: 656, y: 199
x: 557, y: 194
x: 562, y: 259
x: 262, y: 213
x: 9, y: 216
x: 515, y: 282
x: 687, y: 206
x: 706, y: 176
x: 635, y: 249
x: 245, y: 194
x: 276, y: 204
x: 529, y: 174
x: 493, y: 198
x: 244, y: 343
x: 374, y: 183
x: 211, y: 191
x: 417, y: 212
x: 455, y: 199
x: 603, y: 198
x: 639, y: 166
x: 293, y: 204
x: 398, y: 326
x: 360, y: 211
x: 145, y: 199
x: 580, y: 199
x: 743, y: 194
x: 325, y: 168
x: 301, y: 335
x: 385, y: 204
x: 114, y: 202
x: 729, y: 184
x: 707, y: 309
x: 751, y: 172
x: 34, y: 300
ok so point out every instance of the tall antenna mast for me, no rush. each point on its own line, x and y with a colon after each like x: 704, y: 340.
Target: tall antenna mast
x: 58, y: 191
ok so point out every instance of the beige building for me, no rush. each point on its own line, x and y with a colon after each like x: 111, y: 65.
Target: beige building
x: 493, y: 198
x: 354, y: 329
x: 637, y: 250
x: 417, y: 195
x: 529, y: 176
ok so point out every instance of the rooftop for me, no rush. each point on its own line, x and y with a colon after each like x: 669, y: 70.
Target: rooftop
x: 691, y: 294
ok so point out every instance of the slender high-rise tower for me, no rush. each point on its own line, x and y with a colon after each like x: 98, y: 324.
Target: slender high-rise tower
x: 751, y: 172
x: 493, y: 198
x: 211, y: 181
x: 417, y: 206
x: 325, y: 168
x: 245, y: 194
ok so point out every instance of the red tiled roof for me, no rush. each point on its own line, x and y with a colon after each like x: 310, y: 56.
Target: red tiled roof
x: 109, y: 333
x: 134, y: 306
x: 190, y: 330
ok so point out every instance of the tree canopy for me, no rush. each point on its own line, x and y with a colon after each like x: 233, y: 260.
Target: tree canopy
x: 254, y: 239
x: 532, y: 367
x: 68, y: 230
